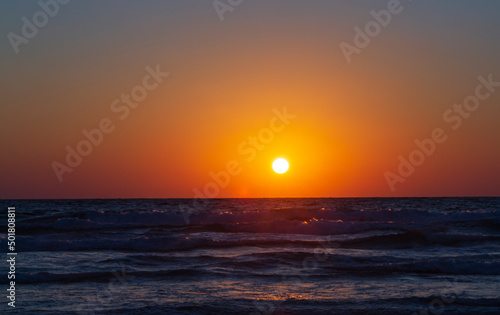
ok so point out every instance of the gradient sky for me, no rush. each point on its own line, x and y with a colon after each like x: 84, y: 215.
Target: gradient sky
x: 352, y: 120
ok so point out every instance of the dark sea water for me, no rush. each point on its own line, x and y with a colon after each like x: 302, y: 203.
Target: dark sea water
x: 255, y: 256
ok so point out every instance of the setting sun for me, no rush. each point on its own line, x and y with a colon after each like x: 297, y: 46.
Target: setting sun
x: 222, y: 148
x: 280, y: 166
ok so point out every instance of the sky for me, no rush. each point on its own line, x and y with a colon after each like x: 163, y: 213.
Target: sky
x: 191, y: 98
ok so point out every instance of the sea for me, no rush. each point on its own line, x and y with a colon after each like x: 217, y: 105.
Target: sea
x: 252, y: 256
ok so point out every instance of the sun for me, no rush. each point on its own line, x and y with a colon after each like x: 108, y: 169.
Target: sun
x: 280, y: 166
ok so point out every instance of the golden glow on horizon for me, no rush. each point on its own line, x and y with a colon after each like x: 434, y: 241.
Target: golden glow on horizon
x: 351, y: 121
x: 280, y: 166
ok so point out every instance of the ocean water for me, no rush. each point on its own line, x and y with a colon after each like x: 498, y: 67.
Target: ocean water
x: 255, y: 256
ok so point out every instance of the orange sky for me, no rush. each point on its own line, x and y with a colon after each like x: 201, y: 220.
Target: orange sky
x: 352, y: 120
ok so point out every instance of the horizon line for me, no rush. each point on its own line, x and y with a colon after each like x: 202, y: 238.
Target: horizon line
x: 221, y: 198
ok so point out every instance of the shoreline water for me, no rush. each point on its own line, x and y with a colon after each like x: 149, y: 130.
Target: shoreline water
x: 258, y: 256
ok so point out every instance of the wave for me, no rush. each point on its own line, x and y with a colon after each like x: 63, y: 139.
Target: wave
x: 298, y: 217
x: 118, y: 275
x: 414, y: 239
x: 350, y: 236
x: 268, y: 269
